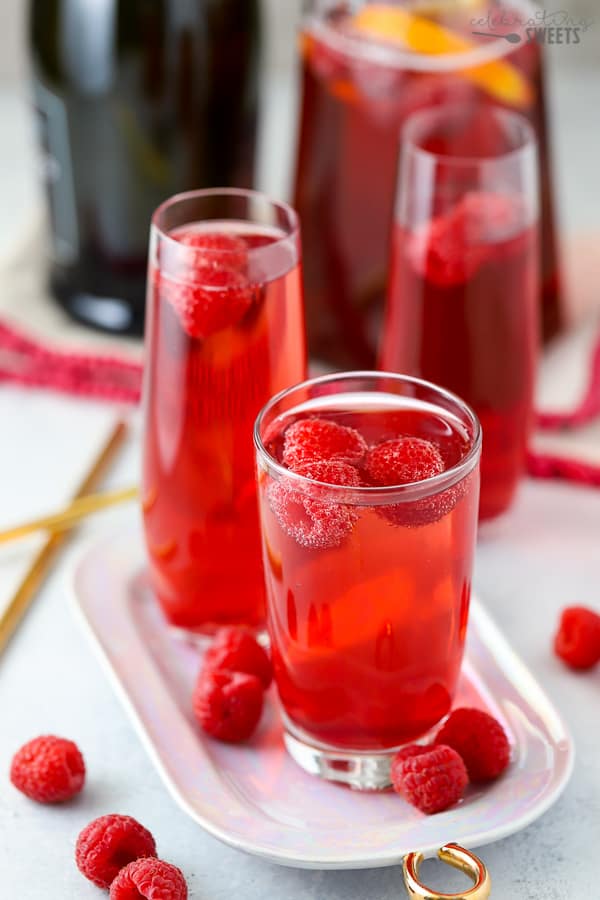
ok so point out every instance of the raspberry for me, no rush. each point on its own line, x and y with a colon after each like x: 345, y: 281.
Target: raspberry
x: 480, y: 740
x: 235, y: 649
x: 228, y: 705
x: 450, y: 250
x: 108, y: 844
x: 48, y: 769
x: 217, y: 299
x: 577, y: 641
x: 215, y: 248
x: 430, y: 778
x: 150, y: 878
x: 312, y: 439
x: 329, y: 472
x: 311, y: 521
x: 402, y: 461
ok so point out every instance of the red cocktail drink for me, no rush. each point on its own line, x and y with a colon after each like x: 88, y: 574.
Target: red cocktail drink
x: 365, y: 71
x: 224, y: 330
x: 368, y: 489
x: 462, y: 295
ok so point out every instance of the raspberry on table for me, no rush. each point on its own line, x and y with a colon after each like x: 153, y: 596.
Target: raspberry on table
x: 311, y: 521
x: 320, y: 439
x: 48, y: 769
x: 430, y: 778
x: 228, y: 705
x: 214, y: 299
x: 577, y: 641
x: 237, y: 650
x: 403, y: 460
x: 149, y: 878
x: 479, y: 739
x: 108, y: 844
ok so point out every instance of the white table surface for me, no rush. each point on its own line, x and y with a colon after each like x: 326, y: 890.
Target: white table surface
x: 544, y: 555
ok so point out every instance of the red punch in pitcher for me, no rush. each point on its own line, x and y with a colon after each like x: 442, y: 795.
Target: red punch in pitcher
x: 225, y: 330
x: 462, y: 294
x: 367, y: 67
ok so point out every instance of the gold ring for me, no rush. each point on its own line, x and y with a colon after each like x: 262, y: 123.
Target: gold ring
x: 458, y: 858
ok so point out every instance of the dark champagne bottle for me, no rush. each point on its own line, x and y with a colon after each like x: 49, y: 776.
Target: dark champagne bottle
x: 136, y: 100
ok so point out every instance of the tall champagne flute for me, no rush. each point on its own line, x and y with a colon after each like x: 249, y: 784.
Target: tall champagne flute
x: 464, y: 278
x: 225, y: 330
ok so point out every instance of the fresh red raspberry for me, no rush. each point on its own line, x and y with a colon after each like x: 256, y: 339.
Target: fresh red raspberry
x: 237, y: 650
x: 312, y: 521
x: 479, y: 739
x: 577, y: 641
x: 430, y: 778
x: 228, y: 705
x: 215, y: 248
x: 108, y: 844
x: 217, y: 299
x: 403, y: 460
x: 48, y: 769
x: 320, y: 439
x: 409, y: 459
x: 149, y: 878
x: 332, y: 471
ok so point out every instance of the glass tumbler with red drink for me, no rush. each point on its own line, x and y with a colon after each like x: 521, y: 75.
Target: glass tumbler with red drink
x: 367, y: 67
x: 225, y: 330
x: 462, y: 296
x: 368, y: 489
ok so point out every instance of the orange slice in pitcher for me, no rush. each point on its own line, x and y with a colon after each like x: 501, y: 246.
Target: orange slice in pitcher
x: 499, y: 78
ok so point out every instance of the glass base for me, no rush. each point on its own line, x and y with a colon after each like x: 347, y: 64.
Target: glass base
x: 361, y: 770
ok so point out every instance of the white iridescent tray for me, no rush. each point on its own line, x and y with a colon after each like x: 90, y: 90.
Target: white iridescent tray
x: 253, y: 796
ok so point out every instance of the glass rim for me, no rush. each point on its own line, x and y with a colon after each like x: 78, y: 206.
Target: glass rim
x: 243, y: 193
x: 367, y: 495
x: 408, y: 138
x: 397, y: 57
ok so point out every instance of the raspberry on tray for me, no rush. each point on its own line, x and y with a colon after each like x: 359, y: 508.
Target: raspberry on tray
x: 237, y: 650
x: 479, y: 739
x: 228, y: 705
x: 430, y: 778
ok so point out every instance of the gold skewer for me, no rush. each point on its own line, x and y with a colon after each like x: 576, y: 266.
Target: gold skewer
x: 78, y: 509
x: 33, y: 579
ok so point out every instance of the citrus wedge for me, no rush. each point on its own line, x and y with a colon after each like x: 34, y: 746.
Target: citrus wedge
x: 500, y: 79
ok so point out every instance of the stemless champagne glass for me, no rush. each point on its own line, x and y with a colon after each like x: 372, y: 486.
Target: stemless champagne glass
x: 368, y: 66
x: 225, y: 330
x: 462, y: 294
x: 368, y: 556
